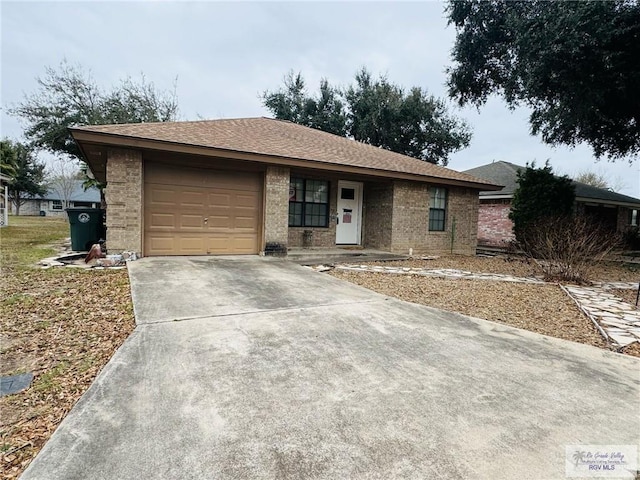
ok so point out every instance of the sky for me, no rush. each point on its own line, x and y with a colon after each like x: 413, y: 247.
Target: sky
x: 223, y: 55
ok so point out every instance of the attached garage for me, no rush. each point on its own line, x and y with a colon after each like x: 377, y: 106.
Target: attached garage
x: 262, y: 186
x: 197, y: 211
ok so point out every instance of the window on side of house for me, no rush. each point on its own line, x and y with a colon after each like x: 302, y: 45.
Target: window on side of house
x: 308, y: 203
x: 633, y: 218
x: 437, y: 209
x: 83, y: 205
x: 56, y: 204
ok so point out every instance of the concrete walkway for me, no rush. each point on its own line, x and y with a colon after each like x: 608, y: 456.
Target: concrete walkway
x: 257, y: 368
x: 617, y: 321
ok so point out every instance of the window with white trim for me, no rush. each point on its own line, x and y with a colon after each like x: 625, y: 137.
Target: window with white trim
x: 56, y: 204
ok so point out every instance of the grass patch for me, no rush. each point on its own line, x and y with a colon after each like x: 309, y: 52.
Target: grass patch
x: 50, y: 380
x: 28, y: 240
x: 62, y: 324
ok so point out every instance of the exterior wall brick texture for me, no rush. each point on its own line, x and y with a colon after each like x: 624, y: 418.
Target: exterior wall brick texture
x: 495, y: 229
x: 123, y: 196
x: 411, y: 220
x: 276, y: 206
x: 378, y: 214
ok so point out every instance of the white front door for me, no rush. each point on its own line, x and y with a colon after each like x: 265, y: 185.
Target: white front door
x: 349, y: 221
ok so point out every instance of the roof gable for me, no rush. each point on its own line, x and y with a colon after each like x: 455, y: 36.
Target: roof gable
x: 506, y: 173
x: 271, y: 139
x: 79, y: 194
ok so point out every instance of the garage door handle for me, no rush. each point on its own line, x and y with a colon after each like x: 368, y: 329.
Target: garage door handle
x: 205, y: 220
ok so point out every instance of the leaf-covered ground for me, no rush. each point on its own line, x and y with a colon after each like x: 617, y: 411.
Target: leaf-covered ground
x: 62, y: 324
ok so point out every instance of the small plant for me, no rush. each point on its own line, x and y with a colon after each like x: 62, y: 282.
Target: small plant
x: 566, y: 246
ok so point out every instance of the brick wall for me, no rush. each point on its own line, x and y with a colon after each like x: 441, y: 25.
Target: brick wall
x: 276, y: 209
x: 410, y: 224
x: 410, y: 217
x: 377, y: 213
x: 124, y: 200
x: 495, y: 229
x: 624, y: 219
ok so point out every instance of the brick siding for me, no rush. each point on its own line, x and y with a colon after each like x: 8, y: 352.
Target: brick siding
x: 377, y: 213
x: 124, y: 200
x: 409, y: 220
x: 276, y: 207
x: 495, y: 229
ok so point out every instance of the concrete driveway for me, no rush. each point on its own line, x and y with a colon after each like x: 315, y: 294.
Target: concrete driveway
x: 246, y: 367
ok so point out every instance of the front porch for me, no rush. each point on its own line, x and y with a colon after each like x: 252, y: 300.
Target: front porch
x: 317, y: 256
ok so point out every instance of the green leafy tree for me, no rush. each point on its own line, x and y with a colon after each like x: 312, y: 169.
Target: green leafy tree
x: 376, y: 112
x: 28, y: 178
x: 324, y: 111
x: 540, y: 195
x: 7, y: 158
x: 573, y: 63
x: 69, y: 96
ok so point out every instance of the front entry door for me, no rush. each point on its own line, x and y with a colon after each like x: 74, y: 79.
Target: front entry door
x: 349, y: 221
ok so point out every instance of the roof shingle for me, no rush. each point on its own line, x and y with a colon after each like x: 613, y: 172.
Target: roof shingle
x: 278, y: 138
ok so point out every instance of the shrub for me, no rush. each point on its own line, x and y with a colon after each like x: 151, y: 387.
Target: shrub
x: 540, y: 194
x: 566, y: 246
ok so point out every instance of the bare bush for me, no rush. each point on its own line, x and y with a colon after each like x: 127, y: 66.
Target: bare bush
x: 567, y: 246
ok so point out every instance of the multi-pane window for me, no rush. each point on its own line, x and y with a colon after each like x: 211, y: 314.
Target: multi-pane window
x: 56, y: 204
x: 308, y: 203
x: 437, y: 209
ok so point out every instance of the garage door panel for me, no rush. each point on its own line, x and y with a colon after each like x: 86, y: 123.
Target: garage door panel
x: 231, y: 244
x: 178, y: 200
x: 220, y: 199
x: 164, y: 197
x: 244, y: 200
x: 244, y: 223
x: 192, y: 221
x: 162, y: 220
x: 195, y: 199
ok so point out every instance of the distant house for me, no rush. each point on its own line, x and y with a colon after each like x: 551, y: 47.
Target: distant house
x: 613, y: 211
x: 52, y: 204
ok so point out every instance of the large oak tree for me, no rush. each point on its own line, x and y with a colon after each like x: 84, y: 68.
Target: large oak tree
x: 376, y: 112
x: 575, y: 64
x: 68, y: 96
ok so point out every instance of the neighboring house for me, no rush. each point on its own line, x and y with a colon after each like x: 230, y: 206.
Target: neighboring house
x: 51, y: 204
x: 4, y: 199
x: 613, y: 211
x: 258, y: 185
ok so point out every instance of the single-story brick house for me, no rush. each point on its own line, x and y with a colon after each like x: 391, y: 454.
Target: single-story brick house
x: 258, y: 185
x: 51, y: 204
x: 612, y: 210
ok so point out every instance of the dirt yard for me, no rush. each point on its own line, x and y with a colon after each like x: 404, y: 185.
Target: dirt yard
x: 62, y: 324
x: 544, y: 309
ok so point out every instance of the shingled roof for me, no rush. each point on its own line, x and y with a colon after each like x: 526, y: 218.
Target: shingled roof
x: 272, y: 139
x: 506, y: 173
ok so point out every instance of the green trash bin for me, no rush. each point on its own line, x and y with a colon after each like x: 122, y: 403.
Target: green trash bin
x: 87, y: 227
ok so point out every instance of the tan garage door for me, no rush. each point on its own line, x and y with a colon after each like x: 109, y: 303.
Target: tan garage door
x: 194, y: 211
